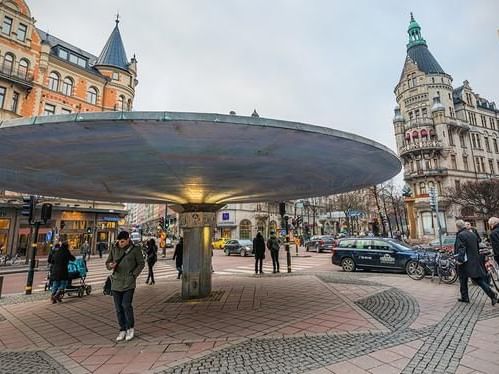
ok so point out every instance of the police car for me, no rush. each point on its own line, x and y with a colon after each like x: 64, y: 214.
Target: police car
x: 373, y: 253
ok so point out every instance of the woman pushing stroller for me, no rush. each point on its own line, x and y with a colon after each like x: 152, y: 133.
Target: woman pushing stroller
x: 59, y: 275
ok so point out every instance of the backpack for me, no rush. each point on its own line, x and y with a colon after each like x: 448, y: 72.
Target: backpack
x: 274, y: 244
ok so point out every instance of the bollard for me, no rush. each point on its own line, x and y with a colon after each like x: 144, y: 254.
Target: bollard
x: 1, y: 284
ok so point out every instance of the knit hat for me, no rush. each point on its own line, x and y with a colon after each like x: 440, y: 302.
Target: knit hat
x: 123, y: 235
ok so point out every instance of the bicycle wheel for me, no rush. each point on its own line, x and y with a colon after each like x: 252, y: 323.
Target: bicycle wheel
x: 448, y: 276
x: 415, y: 270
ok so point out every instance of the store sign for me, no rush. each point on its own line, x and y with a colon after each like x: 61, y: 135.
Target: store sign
x: 226, y: 220
x: 109, y: 219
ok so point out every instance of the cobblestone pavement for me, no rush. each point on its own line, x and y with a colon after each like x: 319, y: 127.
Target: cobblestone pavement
x: 29, y: 363
x: 318, y: 323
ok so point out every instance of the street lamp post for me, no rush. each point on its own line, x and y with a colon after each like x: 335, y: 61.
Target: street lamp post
x: 284, y: 219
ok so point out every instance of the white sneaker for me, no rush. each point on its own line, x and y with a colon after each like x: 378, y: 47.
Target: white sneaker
x: 121, y: 336
x: 129, y: 334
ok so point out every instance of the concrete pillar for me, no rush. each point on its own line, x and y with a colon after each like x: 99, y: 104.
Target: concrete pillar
x: 197, y: 223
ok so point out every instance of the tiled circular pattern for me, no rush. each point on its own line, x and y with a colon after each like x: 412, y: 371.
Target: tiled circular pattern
x: 29, y: 363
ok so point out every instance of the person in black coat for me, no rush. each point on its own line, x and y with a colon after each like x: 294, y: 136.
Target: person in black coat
x: 152, y: 257
x: 494, y: 236
x: 468, y: 258
x: 178, y: 256
x: 59, y: 271
x: 259, y: 250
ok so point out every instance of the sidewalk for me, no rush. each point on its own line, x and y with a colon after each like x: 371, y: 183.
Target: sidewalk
x: 325, y: 323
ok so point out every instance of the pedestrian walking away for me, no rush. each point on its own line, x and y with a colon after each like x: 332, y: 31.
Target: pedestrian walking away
x: 152, y: 257
x: 494, y: 236
x: 178, y: 256
x: 126, y: 261
x: 59, y: 276
x: 85, y: 250
x: 273, y: 245
x: 101, y: 247
x: 468, y: 259
x: 259, y: 250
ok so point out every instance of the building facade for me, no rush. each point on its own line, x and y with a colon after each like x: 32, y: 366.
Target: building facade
x: 41, y: 74
x: 445, y: 137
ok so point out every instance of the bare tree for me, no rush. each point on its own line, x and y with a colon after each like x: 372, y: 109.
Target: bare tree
x: 348, y: 202
x: 480, y: 197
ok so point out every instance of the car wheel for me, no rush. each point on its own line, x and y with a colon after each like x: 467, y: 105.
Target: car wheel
x: 227, y: 253
x: 243, y: 253
x: 348, y: 264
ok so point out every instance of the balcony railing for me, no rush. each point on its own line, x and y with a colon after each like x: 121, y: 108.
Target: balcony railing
x: 419, y: 146
x: 426, y: 173
x: 418, y: 122
x: 20, y: 77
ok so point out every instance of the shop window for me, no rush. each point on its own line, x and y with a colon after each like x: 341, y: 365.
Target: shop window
x: 427, y: 220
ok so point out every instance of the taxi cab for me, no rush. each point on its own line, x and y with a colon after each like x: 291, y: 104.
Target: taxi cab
x: 219, y: 243
x: 373, y: 253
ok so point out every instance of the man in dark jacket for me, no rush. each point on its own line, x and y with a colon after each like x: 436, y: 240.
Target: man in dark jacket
x: 494, y: 236
x: 178, y: 256
x: 126, y: 261
x: 466, y: 248
x: 259, y: 250
x: 273, y: 245
x: 59, y: 276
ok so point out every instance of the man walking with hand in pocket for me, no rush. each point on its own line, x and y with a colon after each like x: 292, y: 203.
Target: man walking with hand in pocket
x: 468, y: 258
x: 126, y: 261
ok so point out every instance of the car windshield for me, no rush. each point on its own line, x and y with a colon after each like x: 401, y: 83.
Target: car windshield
x: 245, y: 242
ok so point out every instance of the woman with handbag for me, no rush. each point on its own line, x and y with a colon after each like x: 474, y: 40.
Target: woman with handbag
x: 152, y: 257
x: 126, y: 261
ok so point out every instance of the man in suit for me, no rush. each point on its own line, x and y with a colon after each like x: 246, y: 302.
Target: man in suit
x: 468, y: 259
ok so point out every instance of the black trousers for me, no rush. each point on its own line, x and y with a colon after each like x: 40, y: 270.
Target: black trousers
x: 481, y: 282
x: 275, y: 259
x: 124, y: 310
x: 258, y: 265
x: 150, y: 274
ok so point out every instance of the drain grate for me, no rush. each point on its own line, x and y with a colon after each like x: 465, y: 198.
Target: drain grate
x: 213, y: 297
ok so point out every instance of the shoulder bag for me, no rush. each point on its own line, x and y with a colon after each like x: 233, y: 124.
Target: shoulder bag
x: 106, y: 289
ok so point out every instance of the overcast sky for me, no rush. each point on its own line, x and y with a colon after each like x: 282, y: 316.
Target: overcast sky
x: 325, y: 62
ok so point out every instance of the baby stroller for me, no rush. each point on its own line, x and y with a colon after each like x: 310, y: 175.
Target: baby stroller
x: 77, y: 270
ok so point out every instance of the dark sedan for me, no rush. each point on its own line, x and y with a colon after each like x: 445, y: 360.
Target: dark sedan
x: 242, y: 247
x: 374, y: 253
x: 320, y: 243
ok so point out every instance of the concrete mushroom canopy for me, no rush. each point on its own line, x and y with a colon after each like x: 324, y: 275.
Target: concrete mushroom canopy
x: 185, y: 158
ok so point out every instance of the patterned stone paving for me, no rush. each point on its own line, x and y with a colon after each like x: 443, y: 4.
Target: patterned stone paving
x: 36, y: 362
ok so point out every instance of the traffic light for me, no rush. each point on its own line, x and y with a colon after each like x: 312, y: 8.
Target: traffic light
x: 282, y: 209
x: 28, y: 207
x: 46, y: 212
x: 433, y: 198
x: 89, y: 230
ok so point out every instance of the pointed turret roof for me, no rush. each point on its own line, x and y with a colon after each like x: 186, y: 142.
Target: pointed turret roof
x: 113, y: 53
x: 418, y: 52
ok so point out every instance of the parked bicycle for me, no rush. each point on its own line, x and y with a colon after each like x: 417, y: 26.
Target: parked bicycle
x: 440, y: 264
x: 491, y: 267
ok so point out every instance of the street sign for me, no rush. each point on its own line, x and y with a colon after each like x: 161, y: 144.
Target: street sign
x: 283, y: 232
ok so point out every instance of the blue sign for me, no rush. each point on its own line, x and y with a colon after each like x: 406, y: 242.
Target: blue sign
x: 225, y: 216
x: 283, y: 232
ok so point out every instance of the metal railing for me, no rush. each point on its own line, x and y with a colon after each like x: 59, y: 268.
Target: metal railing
x: 428, y: 144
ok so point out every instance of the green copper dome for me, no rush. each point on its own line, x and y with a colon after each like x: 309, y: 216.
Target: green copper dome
x: 414, y: 32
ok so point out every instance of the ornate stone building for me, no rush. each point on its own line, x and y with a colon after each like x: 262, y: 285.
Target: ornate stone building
x: 445, y: 136
x: 41, y: 74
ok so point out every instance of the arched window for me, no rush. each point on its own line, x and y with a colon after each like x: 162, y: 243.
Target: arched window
x: 245, y: 229
x: 23, y: 68
x: 422, y: 188
x: 92, y: 95
x: 67, y: 86
x: 54, y: 81
x: 129, y: 106
x: 260, y: 227
x: 8, y: 63
x: 121, y: 103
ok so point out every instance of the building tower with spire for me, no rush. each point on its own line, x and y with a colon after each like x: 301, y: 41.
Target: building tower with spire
x: 41, y: 74
x: 445, y: 136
